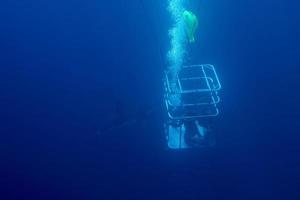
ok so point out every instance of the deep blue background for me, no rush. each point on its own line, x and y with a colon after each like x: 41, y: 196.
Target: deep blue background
x: 69, y: 68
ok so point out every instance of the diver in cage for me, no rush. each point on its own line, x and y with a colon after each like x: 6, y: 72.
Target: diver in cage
x: 196, y: 131
x: 192, y: 136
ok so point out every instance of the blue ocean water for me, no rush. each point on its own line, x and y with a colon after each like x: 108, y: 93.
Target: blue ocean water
x: 81, y: 101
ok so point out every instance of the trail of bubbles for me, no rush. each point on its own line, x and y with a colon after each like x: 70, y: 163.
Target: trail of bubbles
x: 177, y: 36
x: 177, y: 44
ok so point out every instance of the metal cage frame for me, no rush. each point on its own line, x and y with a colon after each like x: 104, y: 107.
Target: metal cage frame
x: 196, y: 87
x: 205, y: 95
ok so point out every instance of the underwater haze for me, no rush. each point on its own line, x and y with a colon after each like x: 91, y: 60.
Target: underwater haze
x: 81, y: 100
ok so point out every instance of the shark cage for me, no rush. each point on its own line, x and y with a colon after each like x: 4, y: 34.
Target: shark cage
x: 191, y: 99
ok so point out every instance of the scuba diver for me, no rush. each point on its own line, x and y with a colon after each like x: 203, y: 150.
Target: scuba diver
x: 190, y: 25
x: 196, y: 131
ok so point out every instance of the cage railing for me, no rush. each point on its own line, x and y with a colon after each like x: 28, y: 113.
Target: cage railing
x: 196, y: 87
